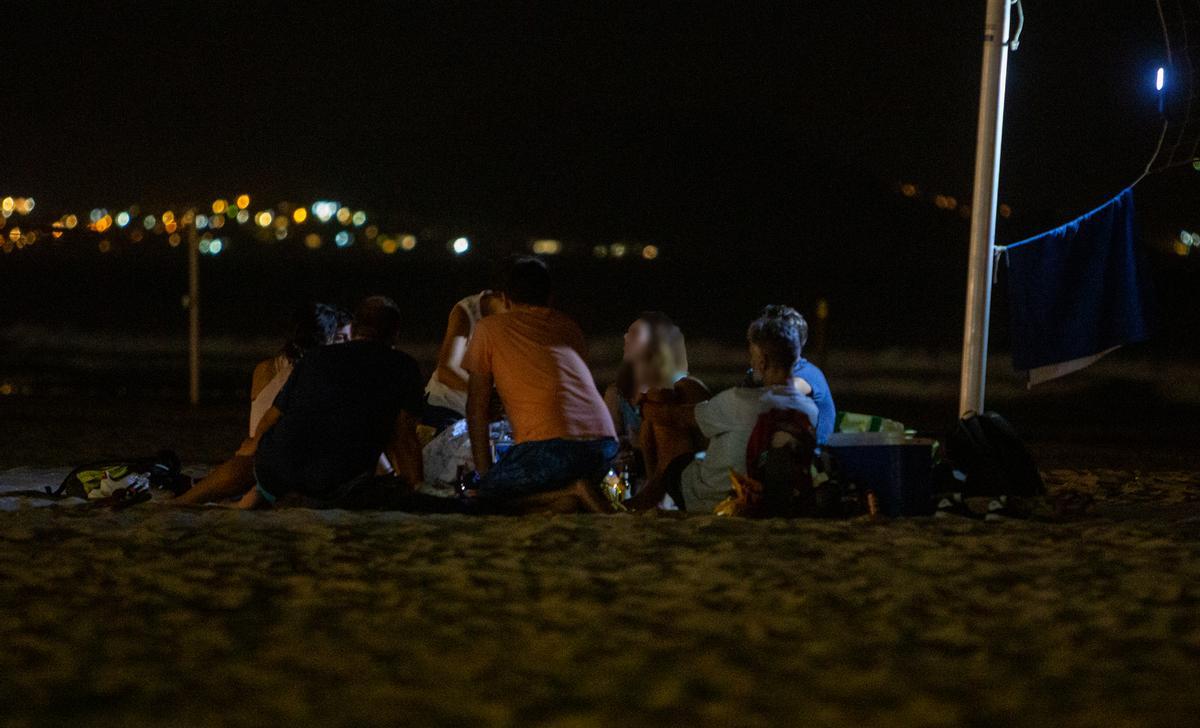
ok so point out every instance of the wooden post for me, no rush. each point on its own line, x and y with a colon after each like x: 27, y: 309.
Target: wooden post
x: 193, y: 307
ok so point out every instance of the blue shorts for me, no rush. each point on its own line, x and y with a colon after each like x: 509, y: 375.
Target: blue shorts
x: 545, y: 465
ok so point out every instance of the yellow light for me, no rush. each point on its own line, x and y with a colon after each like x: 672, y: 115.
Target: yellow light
x: 218, y: 207
x: 102, y: 224
x: 216, y: 222
x: 312, y: 241
x: 1005, y: 211
x: 14, y: 234
x: 388, y: 246
x: 174, y: 240
x: 372, y: 232
x: 243, y: 201
x: 1180, y: 248
x: 299, y: 215
x: 408, y: 242
x: 547, y: 247
x: 650, y: 252
x: 171, y: 226
x: 104, y: 246
x: 264, y: 218
x: 281, y: 222
x: 344, y: 215
x: 167, y: 217
x: 7, y: 204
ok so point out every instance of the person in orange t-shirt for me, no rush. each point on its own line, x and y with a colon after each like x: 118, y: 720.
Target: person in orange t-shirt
x: 535, y: 355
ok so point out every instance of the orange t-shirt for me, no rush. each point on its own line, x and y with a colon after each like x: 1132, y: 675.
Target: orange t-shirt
x: 536, y: 358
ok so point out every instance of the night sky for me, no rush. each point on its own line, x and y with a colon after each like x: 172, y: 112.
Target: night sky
x: 648, y: 118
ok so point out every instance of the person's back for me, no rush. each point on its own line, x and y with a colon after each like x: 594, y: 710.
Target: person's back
x: 728, y: 420
x: 536, y: 357
x: 821, y: 395
x: 339, y: 408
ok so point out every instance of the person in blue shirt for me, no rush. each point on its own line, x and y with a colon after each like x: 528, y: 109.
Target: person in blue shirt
x: 809, y: 377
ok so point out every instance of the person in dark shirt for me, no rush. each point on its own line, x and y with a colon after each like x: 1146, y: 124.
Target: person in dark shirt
x: 342, y: 407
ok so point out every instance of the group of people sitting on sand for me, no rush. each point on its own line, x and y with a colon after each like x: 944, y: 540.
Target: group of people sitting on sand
x: 337, y: 417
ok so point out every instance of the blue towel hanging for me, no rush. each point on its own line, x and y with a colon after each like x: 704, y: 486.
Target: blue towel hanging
x: 1077, y: 292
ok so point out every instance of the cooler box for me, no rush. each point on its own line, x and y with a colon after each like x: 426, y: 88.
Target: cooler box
x: 899, y: 469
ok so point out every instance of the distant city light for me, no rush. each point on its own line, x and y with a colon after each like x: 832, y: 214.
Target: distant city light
x: 299, y: 215
x: 650, y: 252
x: 122, y: 219
x: 343, y: 239
x: 219, y: 206
x: 460, y: 246
x: 201, y: 221
x: 312, y: 241
x: 7, y: 204
x: 408, y: 242
x: 359, y: 218
x: 547, y: 247
x: 324, y: 210
x: 344, y: 214
x: 243, y: 201
x: 600, y: 251
x: 388, y: 246
x: 243, y: 216
x: 148, y: 222
x: 96, y: 214
x: 264, y: 218
x: 617, y: 250
x: 1160, y: 79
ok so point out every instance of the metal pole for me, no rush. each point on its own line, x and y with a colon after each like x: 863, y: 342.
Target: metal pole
x: 983, y: 206
x: 193, y: 306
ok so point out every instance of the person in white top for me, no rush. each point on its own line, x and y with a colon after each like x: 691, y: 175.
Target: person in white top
x: 699, y: 482
x: 446, y: 392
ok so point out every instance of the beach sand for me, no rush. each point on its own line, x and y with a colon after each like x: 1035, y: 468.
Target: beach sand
x: 207, y: 616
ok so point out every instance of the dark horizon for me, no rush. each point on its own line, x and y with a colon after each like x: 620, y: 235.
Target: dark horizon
x: 640, y: 121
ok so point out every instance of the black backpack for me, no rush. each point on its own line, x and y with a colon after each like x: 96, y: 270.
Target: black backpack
x: 990, y: 453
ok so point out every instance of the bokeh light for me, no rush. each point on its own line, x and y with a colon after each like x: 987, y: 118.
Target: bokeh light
x: 299, y: 215
x: 243, y: 201
x: 408, y: 242
x: 460, y: 246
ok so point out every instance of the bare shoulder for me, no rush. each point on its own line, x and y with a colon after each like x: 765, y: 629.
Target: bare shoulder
x: 264, y: 372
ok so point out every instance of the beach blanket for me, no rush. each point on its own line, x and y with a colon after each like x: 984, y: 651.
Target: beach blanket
x: 1077, y: 292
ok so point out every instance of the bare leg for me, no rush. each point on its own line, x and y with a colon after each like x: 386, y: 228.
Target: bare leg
x: 230, y: 479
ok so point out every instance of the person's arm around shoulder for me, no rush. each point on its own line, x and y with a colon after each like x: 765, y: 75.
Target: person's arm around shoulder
x: 450, y: 369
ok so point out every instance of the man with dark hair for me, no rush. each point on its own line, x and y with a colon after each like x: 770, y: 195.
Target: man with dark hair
x: 343, y: 407
x: 809, y: 377
x: 534, y: 356
x: 700, y: 482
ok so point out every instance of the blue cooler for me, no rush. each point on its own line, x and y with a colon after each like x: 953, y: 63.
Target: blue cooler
x: 899, y: 469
